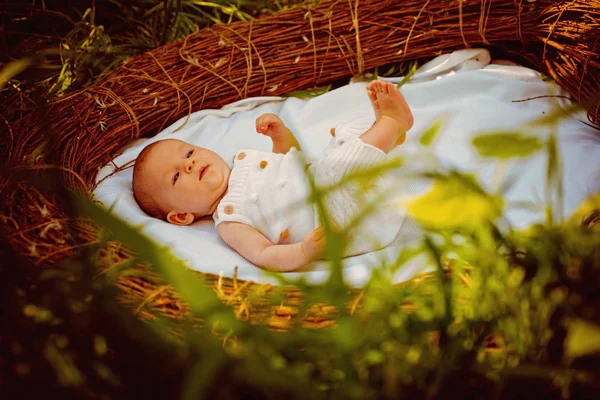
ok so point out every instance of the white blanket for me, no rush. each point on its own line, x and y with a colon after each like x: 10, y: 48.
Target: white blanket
x: 463, y: 89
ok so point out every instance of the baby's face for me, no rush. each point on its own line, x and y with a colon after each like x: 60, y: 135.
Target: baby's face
x: 186, y: 178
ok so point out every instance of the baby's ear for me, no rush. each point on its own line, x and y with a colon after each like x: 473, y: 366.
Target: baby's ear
x: 180, y: 218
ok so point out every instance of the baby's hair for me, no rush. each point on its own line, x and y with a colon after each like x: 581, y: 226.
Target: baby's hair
x: 142, y: 195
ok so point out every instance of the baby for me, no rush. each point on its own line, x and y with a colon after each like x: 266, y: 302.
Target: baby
x: 261, y: 207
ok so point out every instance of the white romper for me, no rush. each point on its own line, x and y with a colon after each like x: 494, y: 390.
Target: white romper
x: 270, y: 192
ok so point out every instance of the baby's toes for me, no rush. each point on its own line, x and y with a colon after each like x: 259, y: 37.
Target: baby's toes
x: 377, y: 85
x: 385, y: 86
x: 372, y: 96
x: 390, y: 87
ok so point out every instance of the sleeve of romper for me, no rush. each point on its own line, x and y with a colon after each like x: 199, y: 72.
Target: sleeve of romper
x: 342, y: 132
x: 353, y: 155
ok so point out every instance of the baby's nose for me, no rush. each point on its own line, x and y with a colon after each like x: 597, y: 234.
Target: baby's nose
x: 189, y: 164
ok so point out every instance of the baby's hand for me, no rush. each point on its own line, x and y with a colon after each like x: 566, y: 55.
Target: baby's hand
x: 270, y: 125
x: 315, y: 244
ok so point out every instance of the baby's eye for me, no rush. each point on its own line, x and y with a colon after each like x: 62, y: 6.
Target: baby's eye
x: 175, y: 177
x: 189, y: 154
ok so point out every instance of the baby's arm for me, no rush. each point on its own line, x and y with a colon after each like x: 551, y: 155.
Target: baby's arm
x: 260, y: 251
x: 283, y: 139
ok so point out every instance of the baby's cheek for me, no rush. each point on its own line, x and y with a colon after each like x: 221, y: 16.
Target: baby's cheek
x: 187, y: 199
x: 178, y: 198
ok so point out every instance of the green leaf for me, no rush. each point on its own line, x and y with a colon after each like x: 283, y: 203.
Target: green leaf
x: 13, y: 68
x: 582, y: 338
x: 200, y: 375
x: 558, y: 113
x: 38, y: 152
x: 374, y: 357
x: 408, y: 76
x: 454, y: 202
x: 406, y: 254
x: 430, y: 134
x: 554, y: 180
x: 506, y: 145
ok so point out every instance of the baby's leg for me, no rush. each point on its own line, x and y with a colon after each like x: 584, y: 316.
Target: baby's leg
x: 392, y: 116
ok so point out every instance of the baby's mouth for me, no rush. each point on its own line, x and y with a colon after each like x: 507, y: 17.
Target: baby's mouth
x: 203, y: 171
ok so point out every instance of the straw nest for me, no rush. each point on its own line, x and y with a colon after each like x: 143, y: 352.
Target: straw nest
x: 290, y: 50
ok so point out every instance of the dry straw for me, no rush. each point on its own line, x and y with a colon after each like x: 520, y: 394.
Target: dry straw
x: 290, y: 50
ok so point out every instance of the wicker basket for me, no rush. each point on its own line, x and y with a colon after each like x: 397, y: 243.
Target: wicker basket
x: 272, y: 55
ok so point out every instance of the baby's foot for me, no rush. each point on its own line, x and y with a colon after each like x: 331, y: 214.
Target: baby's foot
x: 388, y: 103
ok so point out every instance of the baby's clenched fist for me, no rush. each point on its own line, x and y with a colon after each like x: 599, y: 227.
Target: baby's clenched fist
x: 314, y: 244
x: 270, y: 125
